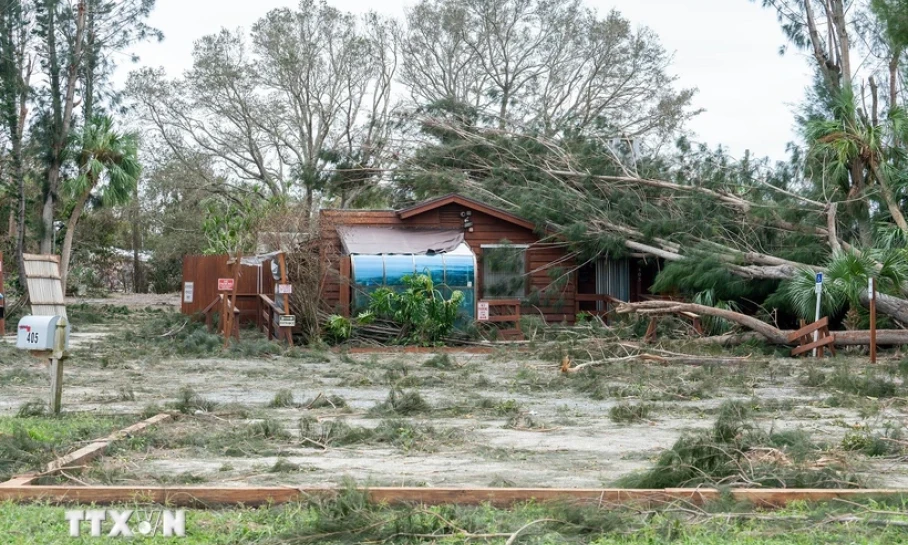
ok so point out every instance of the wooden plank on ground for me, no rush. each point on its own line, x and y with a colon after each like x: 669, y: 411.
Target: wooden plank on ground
x: 808, y: 329
x: 85, y: 454
x: 822, y: 341
x: 252, y: 496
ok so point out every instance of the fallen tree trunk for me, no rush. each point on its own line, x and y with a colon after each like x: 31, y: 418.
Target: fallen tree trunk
x: 887, y: 304
x: 770, y: 333
x: 885, y: 337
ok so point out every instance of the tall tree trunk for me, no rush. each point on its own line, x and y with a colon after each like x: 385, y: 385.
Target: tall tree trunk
x: 66, y: 254
x: 63, y: 113
x: 91, y: 52
x: 841, y: 32
x: 891, y: 202
x: 138, y: 284
x: 15, y: 74
x: 893, y: 80
x: 503, y: 109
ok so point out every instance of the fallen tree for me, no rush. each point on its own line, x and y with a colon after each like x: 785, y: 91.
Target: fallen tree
x: 761, y: 329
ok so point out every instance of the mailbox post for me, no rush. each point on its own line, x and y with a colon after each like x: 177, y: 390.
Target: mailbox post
x: 47, y: 335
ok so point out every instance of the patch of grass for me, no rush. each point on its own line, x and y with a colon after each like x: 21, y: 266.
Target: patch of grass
x: 349, y: 518
x: 323, y: 402
x: 283, y: 399
x: 284, y: 466
x: 482, y: 381
x: 402, y: 434
x: 19, y: 376
x: 186, y: 477
x: 508, y: 407
x: 35, y: 407
x: 867, y: 383
x: 255, y: 347
x: 523, y: 420
x: 627, y: 413
x: 124, y: 393
x: 26, y: 443
x: 266, y: 437
x: 83, y: 313
x: 885, y: 443
x: 268, y: 429
x: 401, y: 403
x: 440, y: 361
x: 150, y: 410
x: 190, y: 402
x: 736, y: 451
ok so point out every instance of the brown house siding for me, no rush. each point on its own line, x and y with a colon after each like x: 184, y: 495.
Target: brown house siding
x: 545, y: 261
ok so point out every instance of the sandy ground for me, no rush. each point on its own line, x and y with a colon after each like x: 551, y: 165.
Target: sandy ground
x: 132, y: 300
x: 574, y: 443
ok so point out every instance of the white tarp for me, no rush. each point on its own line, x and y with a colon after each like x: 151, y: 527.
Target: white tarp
x: 390, y: 240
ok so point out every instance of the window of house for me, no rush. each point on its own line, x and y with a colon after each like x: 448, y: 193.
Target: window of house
x: 504, y: 271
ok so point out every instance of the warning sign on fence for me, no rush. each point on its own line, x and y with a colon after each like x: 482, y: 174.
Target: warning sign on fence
x: 482, y: 311
x: 225, y: 284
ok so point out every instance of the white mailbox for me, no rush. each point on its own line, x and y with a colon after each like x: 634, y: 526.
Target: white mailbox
x: 37, y: 333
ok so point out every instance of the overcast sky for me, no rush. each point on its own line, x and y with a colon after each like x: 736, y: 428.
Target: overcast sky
x: 728, y: 49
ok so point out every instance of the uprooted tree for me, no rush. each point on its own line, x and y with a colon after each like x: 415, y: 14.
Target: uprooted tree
x: 742, y: 229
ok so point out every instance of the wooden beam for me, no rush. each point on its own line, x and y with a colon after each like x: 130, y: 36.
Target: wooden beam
x: 85, y: 454
x: 2, y: 301
x: 345, y: 283
x: 252, y: 496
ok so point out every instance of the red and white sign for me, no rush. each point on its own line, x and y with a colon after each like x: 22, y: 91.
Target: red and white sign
x: 284, y: 288
x: 482, y: 311
x: 225, y: 284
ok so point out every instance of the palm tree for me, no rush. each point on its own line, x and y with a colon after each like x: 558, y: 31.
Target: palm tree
x: 108, y: 161
x: 850, y: 143
x: 846, y: 281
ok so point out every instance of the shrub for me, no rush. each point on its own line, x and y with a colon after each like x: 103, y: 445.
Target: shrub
x: 422, y: 312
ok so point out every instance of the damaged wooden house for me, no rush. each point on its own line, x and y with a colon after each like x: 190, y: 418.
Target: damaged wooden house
x: 497, y: 259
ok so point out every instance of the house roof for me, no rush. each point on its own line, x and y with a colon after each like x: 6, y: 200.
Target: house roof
x: 466, y: 202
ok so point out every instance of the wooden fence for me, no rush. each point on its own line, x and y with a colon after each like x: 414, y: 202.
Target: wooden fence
x: 200, y: 284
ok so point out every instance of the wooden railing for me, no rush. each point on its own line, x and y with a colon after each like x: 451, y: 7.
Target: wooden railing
x: 267, y: 317
x: 268, y: 320
x: 506, y: 312
x: 218, y: 306
x: 609, y: 304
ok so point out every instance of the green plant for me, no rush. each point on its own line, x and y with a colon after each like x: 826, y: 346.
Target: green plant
x: 402, y: 403
x: 338, y: 328
x: 282, y: 399
x: 190, y: 402
x: 422, y: 312
x: 736, y: 451
x: 440, y: 361
x: 626, y: 413
x: 32, y: 408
